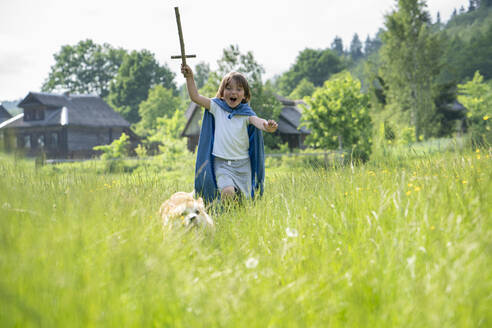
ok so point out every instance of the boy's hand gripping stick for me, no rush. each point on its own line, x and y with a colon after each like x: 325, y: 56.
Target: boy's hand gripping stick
x: 181, y: 41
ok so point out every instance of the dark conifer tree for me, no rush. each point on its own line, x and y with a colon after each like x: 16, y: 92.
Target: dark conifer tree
x: 337, y: 46
x: 471, y: 5
x: 356, y: 48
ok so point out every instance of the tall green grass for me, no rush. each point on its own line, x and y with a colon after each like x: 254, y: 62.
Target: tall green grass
x: 390, y: 243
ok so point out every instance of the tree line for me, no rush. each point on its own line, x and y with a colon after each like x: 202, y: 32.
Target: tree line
x: 408, y: 72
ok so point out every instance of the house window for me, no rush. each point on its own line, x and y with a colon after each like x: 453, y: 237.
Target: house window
x: 54, y: 139
x: 27, y: 115
x: 27, y: 141
x: 41, y: 141
x: 39, y: 115
x: 34, y: 115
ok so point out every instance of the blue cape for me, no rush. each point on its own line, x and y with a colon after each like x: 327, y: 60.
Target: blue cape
x: 205, y: 182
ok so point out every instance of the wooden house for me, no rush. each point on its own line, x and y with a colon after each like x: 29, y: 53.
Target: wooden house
x: 63, y: 125
x: 288, y: 124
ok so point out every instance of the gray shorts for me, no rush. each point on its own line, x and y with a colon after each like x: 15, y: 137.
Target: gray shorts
x: 235, y: 173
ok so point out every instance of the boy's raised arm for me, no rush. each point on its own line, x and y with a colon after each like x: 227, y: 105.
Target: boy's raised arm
x: 192, y: 89
x: 267, y: 126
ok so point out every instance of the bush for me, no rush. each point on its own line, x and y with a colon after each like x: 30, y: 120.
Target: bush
x: 407, y: 136
x: 114, y: 153
x: 476, y: 96
x: 338, y: 116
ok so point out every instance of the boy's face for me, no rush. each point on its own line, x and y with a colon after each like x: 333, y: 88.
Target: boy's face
x: 233, y: 93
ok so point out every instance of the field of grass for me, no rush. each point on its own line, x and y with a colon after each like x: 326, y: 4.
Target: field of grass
x: 393, y: 243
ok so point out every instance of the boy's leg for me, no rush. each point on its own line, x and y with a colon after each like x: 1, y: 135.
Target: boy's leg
x: 228, y: 192
x: 233, y: 178
x: 230, y: 196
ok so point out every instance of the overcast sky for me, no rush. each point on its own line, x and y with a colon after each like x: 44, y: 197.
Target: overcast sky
x: 31, y: 31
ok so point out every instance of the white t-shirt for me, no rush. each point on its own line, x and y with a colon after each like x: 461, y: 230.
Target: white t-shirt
x: 231, y: 139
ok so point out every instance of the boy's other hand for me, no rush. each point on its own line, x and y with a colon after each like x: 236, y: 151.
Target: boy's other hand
x: 270, y: 126
x: 187, y: 71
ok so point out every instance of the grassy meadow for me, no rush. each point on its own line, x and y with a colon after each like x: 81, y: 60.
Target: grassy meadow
x: 402, y: 241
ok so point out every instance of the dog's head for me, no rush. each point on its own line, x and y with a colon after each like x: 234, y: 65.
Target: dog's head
x: 183, y: 209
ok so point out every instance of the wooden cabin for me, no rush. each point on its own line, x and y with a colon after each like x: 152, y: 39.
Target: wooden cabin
x: 289, y: 123
x: 63, y: 125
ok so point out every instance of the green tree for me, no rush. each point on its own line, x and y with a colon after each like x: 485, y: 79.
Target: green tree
x: 438, y: 19
x: 455, y: 59
x: 113, y: 154
x: 476, y: 96
x: 161, y: 102
x: 337, y: 46
x: 266, y: 105
x: 202, y: 71
x: 356, y: 48
x: 373, y: 45
x: 485, y: 3
x: 471, y: 5
x: 233, y: 60
x: 211, y: 86
x: 315, y: 65
x: 86, y: 67
x: 338, y: 116
x: 410, y: 63
x: 480, y: 53
x: 118, y: 149
x: 138, y: 73
x: 305, y: 88
x: 169, y: 127
x: 168, y: 135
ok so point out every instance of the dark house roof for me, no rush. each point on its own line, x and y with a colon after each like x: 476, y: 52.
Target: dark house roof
x: 453, y: 110
x: 289, y: 121
x: 4, y: 114
x: 455, y: 106
x: 290, y: 117
x: 65, y: 109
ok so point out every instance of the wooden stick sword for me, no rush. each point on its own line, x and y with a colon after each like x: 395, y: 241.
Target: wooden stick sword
x: 181, y: 40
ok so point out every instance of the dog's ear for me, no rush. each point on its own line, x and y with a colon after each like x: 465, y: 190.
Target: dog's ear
x: 200, y: 201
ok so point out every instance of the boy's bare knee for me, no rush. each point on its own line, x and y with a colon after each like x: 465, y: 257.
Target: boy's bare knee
x: 228, y: 192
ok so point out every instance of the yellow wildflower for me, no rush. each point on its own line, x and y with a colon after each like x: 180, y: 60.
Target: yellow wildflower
x: 408, y: 192
x: 486, y: 117
x: 417, y: 188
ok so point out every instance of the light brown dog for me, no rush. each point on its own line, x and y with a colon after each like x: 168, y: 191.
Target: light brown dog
x: 182, y: 209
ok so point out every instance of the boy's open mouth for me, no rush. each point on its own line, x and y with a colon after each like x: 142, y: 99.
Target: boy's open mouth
x: 233, y: 99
